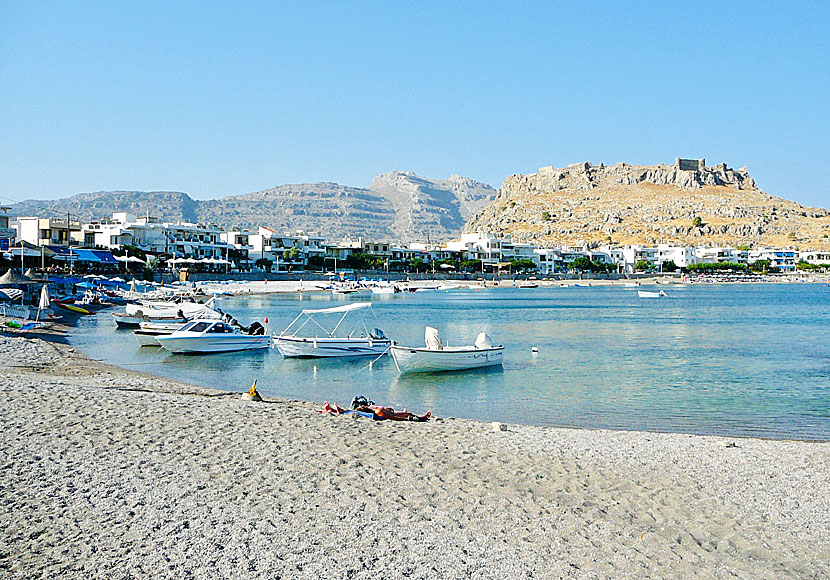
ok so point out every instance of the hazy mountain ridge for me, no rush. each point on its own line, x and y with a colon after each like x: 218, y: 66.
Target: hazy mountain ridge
x: 166, y: 205
x: 648, y: 204
x: 398, y: 206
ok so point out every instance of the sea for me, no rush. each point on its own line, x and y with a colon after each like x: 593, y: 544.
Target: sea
x: 731, y: 360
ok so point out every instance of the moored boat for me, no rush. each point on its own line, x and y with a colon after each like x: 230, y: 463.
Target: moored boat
x: 360, y: 341
x: 647, y: 294
x: 214, y: 336
x: 437, y: 357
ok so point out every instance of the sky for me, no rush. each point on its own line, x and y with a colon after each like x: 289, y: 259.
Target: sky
x: 230, y: 99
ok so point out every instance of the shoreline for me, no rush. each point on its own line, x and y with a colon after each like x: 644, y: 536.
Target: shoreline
x: 112, y: 473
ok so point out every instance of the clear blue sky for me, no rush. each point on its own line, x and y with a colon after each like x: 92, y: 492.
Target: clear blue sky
x: 226, y: 100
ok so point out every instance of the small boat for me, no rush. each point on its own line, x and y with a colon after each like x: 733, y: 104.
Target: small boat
x: 647, y: 294
x: 71, y: 307
x: 360, y: 341
x: 527, y: 285
x: 437, y: 357
x: 212, y: 336
x: 150, y: 330
x: 133, y: 316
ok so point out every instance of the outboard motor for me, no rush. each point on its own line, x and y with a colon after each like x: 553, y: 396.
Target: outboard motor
x: 377, y: 334
x: 256, y: 329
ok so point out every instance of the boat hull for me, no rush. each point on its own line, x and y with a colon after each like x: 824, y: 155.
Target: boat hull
x: 148, y: 337
x: 423, y: 360
x: 330, y: 347
x: 213, y: 344
x: 126, y: 321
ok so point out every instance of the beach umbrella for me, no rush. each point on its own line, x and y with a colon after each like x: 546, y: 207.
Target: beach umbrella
x: 12, y: 278
x: 447, y: 266
x: 122, y: 258
x: 12, y: 293
x: 44, y: 302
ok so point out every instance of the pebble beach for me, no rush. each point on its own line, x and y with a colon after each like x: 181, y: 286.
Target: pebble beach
x: 111, y: 473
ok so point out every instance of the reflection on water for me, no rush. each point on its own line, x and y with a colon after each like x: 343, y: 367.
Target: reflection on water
x: 739, y: 360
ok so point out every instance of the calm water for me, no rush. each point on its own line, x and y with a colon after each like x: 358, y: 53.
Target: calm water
x: 732, y: 360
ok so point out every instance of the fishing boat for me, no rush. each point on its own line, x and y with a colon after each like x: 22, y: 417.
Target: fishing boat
x: 527, y: 285
x: 647, y: 294
x: 359, y: 341
x: 213, y: 336
x: 438, y: 357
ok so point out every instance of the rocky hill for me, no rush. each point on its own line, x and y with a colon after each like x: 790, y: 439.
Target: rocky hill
x: 167, y: 205
x: 326, y: 209
x: 688, y: 203
x: 397, y: 206
x: 425, y: 207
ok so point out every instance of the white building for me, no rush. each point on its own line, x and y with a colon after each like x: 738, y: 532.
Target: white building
x: 49, y: 231
x: 784, y: 260
x: 815, y: 257
x: 285, y: 250
x: 482, y: 247
x: 182, y: 240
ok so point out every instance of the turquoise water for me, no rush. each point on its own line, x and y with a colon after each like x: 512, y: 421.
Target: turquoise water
x: 731, y: 360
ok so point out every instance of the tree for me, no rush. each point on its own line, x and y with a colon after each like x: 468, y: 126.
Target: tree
x: 523, y: 264
x: 581, y: 263
x: 716, y: 267
x: 669, y: 266
x: 697, y: 222
x: 642, y: 266
x: 264, y: 264
x: 418, y: 265
x: 760, y: 266
x: 291, y: 253
x: 471, y: 265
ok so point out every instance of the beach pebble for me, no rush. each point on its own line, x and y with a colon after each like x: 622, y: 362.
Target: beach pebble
x: 498, y: 426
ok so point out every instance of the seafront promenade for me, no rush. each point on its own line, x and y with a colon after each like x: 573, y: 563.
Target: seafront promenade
x: 110, y: 473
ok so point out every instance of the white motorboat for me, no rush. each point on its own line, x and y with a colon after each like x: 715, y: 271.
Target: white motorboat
x: 647, y: 294
x: 352, y: 290
x: 170, y: 315
x: 150, y: 330
x: 360, y: 341
x: 438, y: 357
x: 212, y: 336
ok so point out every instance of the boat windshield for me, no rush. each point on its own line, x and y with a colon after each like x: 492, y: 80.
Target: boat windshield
x: 220, y: 328
x: 195, y: 327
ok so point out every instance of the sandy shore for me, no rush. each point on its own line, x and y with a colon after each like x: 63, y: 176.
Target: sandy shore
x: 107, y: 473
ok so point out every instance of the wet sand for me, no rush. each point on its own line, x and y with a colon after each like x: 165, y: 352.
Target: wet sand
x: 110, y: 473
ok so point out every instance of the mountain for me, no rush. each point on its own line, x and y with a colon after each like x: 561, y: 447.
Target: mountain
x: 327, y: 209
x: 426, y: 207
x: 685, y: 203
x: 166, y: 205
x: 397, y: 206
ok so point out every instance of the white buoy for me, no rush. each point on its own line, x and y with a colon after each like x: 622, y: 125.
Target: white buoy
x: 534, y: 349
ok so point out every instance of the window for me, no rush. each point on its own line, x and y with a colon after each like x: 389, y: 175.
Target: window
x: 197, y: 327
